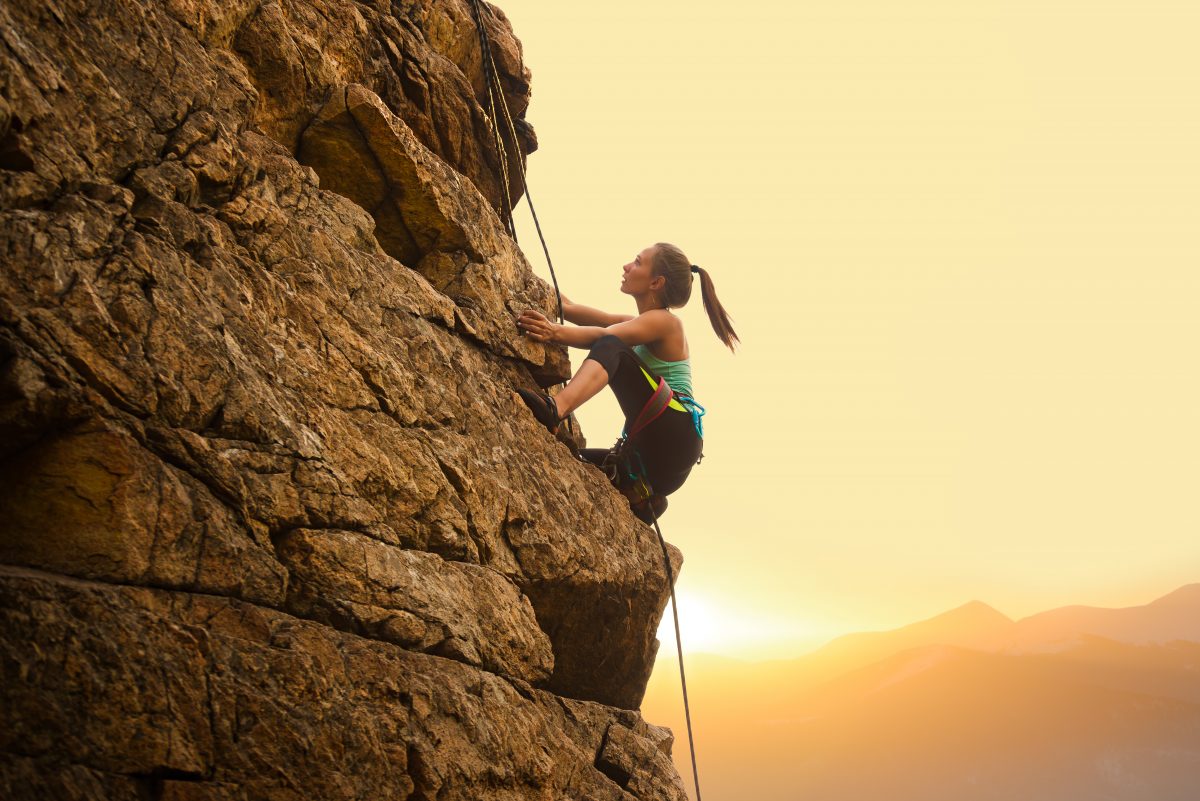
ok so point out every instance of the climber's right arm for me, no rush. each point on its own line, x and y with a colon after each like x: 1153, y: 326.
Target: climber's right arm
x: 586, y: 315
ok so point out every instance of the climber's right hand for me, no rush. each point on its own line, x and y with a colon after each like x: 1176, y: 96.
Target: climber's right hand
x: 536, y: 326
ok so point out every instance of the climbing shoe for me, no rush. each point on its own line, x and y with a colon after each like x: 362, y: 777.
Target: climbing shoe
x: 543, y: 408
x: 650, y: 509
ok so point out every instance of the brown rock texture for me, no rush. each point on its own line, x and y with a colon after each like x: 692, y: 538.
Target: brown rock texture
x: 272, y: 523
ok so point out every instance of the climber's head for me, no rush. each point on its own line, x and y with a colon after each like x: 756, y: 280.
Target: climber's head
x: 638, y: 277
x: 675, y: 270
x: 664, y: 271
x: 661, y: 271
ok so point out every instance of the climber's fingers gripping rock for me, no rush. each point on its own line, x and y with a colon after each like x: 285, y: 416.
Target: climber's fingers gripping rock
x: 536, y: 326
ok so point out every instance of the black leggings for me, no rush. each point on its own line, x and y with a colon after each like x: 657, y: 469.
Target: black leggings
x: 669, y: 446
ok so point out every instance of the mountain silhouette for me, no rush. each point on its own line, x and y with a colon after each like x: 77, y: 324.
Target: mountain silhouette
x: 1175, y: 616
x: 964, y: 706
x: 971, y: 625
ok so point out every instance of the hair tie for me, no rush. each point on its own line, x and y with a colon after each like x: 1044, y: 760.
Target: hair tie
x: 695, y: 269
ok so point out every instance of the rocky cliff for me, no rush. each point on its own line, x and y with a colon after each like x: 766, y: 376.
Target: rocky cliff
x: 272, y: 523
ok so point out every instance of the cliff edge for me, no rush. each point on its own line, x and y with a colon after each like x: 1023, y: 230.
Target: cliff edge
x: 272, y: 524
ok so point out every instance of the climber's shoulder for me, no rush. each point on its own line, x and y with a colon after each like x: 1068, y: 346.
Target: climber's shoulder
x: 649, y: 326
x: 662, y: 321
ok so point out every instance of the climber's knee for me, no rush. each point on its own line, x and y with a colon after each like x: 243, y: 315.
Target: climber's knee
x: 609, y: 343
x: 606, y: 350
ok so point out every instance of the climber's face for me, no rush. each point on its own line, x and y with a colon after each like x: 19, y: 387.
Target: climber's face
x: 638, y: 278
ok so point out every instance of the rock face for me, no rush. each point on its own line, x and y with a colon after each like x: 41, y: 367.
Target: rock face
x: 272, y: 523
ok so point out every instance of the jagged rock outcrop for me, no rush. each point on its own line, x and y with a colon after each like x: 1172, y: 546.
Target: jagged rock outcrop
x: 272, y: 523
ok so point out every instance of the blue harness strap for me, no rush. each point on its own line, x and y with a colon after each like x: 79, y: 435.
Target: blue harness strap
x: 696, y: 411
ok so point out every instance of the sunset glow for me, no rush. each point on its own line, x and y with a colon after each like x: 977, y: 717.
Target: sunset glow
x: 717, y: 626
x: 959, y: 244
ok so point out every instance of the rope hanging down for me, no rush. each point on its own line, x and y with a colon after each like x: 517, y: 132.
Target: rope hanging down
x: 496, y: 91
x: 687, y: 711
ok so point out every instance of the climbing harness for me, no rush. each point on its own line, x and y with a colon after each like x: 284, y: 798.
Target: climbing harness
x: 496, y: 91
x: 623, y: 463
x: 626, y: 472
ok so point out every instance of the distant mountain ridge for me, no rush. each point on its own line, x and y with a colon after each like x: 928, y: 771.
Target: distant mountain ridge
x: 1175, y: 616
x: 1071, y: 704
x: 975, y: 625
x: 970, y: 625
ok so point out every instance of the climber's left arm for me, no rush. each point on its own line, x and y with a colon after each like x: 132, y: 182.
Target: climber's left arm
x: 645, y: 328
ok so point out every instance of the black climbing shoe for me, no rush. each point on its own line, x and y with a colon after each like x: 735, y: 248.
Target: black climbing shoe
x: 543, y: 408
x: 643, y: 511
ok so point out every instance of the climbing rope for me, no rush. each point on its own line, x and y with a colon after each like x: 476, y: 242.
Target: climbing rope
x: 485, y: 56
x: 687, y: 711
x: 495, y: 90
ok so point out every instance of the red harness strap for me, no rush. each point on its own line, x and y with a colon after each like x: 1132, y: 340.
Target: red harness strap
x: 653, y: 409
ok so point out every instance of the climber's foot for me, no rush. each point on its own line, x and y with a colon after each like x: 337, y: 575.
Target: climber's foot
x: 650, y: 509
x: 543, y: 407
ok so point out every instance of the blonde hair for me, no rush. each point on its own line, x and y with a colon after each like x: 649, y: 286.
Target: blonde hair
x: 670, y: 262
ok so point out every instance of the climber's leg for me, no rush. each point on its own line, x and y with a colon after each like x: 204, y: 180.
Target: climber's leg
x: 610, y: 361
x: 589, y: 379
x: 594, y: 456
x: 608, y: 357
x: 623, y: 372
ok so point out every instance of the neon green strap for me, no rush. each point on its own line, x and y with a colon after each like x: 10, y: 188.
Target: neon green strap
x: 674, y: 404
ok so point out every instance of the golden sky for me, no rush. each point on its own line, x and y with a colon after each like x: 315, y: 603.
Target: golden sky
x: 961, y: 243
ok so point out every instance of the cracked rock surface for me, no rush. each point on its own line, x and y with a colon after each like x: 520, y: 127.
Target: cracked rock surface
x: 272, y: 523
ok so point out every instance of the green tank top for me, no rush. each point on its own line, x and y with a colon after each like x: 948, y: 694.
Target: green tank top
x: 677, y: 374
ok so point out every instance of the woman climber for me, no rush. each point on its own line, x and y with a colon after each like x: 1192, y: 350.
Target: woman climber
x: 663, y: 437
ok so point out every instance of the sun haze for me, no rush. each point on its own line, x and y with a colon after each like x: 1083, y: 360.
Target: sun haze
x: 959, y: 243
